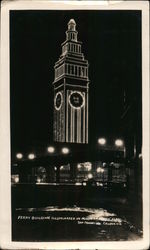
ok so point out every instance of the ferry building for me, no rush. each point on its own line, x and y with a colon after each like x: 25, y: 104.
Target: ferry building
x: 70, y: 159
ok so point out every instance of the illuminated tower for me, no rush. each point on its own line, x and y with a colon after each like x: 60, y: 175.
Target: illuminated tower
x: 71, y: 91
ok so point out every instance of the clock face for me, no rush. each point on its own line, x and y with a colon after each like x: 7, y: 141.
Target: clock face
x: 58, y: 100
x: 76, y: 100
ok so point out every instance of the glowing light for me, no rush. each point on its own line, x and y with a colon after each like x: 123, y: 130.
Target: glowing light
x: 112, y: 163
x: 62, y: 167
x: 31, y: 156
x: 55, y: 168
x: 16, y: 179
x: 99, y: 170
x: 119, y: 142
x: 78, y: 184
x: 19, y: 156
x: 104, y: 164
x: 65, y: 150
x: 140, y: 155
x: 102, y: 141
x: 38, y: 180
x: 84, y: 183
x: 90, y: 176
x: 79, y: 166
x: 51, y: 149
x: 88, y: 166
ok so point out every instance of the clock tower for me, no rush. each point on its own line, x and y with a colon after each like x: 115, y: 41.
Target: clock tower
x: 71, y: 85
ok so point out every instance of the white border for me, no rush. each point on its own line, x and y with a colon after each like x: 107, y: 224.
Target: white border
x: 5, y: 207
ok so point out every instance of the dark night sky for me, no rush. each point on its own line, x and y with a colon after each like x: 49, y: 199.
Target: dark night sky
x: 111, y: 44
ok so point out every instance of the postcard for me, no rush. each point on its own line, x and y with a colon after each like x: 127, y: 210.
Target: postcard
x: 74, y: 125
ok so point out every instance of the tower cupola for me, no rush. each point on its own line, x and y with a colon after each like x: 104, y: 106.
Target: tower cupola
x: 72, y: 25
x: 71, y: 33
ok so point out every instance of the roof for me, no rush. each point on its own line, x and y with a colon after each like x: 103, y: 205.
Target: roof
x: 72, y: 21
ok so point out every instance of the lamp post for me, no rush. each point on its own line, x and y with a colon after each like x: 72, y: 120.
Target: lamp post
x: 51, y: 149
x: 102, y: 141
x: 120, y: 143
x: 19, y: 156
x: 65, y: 150
x: 90, y: 176
x: 16, y: 179
x: 49, y: 171
x: 31, y: 156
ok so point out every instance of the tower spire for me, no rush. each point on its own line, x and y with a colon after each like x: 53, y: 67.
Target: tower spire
x: 72, y: 25
x: 71, y: 33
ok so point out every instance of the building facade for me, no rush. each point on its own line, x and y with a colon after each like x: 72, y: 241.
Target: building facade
x: 71, y: 85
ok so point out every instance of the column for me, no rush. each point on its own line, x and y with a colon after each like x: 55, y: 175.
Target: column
x: 73, y: 167
x: 23, y: 174
x: 77, y: 71
x: 58, y: 174
x: 49, y: 174
x: 110, y: 166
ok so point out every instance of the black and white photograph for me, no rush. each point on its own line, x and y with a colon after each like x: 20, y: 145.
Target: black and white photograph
x: 76, y: 125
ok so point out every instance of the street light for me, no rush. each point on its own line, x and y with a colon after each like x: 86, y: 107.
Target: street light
x: 102, y: 141
x: 140, y: 155
x: 31, y: 156
x: 51, y: 149
x: 19, y: 156
x: 38, y: 179
x: 119, y: 142
x: 88, y: 166
x: 90, y: 176
x: 99, y: 170
x: 16, y: 179
x: 79, y: 166
x: 112, y: 164
x: 65, y: 150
